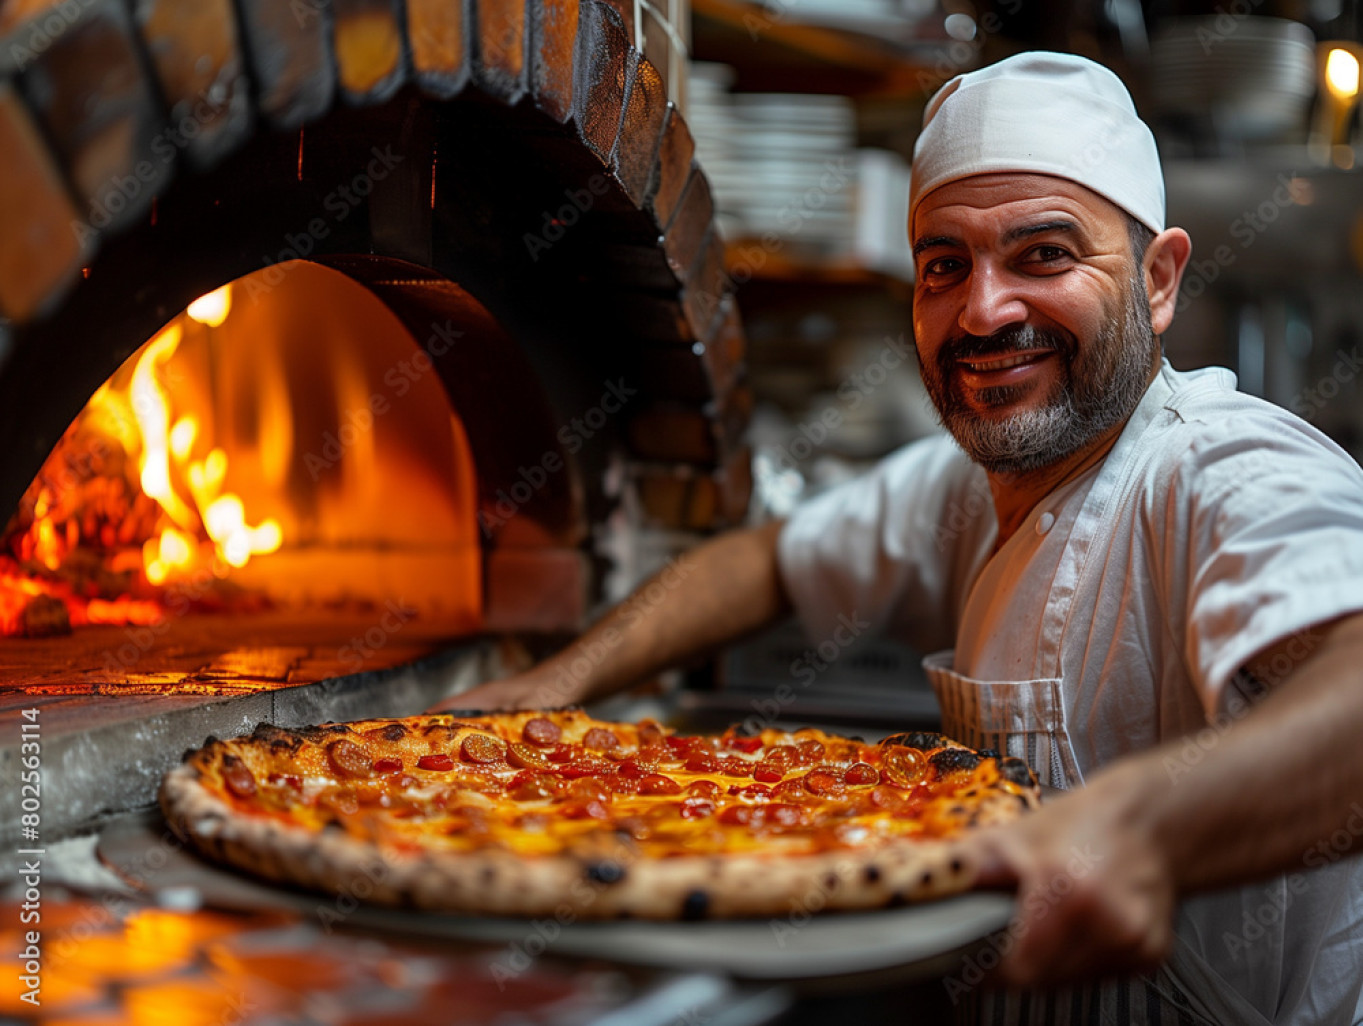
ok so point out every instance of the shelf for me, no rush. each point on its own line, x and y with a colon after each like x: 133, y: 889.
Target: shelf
x: 757, y: 261
x: 773, y: 52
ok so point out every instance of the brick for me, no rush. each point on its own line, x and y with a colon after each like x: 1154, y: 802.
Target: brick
x: 88, y: 92
x: 702, y: 435
x: 198, y: 63
x: 686, y: 234
x: 697, y: 373
x: 367, y: 41
x: 437, y: 34
x: 706, y: 284
x: 624, y: 9
x: 641, y: 133
x: 288, y: 48
x: 602, y: 49
x: 555, y: 49
x: 687, y: 499
x: 676, y: 153
x: 39, y: 252
x: 500, y: 66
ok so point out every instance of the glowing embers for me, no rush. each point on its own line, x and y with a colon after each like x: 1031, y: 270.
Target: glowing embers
x: 263, y: 449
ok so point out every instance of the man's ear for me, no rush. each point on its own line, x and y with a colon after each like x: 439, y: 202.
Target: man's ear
x: 1165, y: 260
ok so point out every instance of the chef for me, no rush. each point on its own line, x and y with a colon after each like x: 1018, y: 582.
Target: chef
x: 1151, y: 590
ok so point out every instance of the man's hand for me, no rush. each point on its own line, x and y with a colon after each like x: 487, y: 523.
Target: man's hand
x: 1095, y: 891
x: 534, y: 689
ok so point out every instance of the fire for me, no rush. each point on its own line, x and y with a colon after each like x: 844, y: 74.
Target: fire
x: 183, y: 518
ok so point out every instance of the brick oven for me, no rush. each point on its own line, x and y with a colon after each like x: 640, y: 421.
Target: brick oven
x: 440, y: 281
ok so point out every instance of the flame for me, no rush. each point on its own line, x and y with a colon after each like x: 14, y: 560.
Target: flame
x: 165, y: 460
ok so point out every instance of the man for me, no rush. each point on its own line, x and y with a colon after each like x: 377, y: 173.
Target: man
x: 1160, y: 610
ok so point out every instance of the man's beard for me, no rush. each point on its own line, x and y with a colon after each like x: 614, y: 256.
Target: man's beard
x: 1100, y: 387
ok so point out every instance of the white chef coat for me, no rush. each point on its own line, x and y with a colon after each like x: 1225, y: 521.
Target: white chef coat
x: 1118, y: 616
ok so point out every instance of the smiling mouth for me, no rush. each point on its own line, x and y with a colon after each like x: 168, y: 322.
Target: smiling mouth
x: 1004, y: 361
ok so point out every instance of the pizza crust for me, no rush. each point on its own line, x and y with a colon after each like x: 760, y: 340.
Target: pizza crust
x: 617, y: 883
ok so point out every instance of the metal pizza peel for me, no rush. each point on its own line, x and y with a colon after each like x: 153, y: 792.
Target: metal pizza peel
x: 907, y: 944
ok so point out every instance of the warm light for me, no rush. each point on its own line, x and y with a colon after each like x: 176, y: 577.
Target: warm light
x: 213, y: 308
x: 182, y: 437
x: 152, y: 411
x: 1341, y: 74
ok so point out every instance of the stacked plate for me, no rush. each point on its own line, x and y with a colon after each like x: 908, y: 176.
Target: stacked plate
x: 777, y: 163
x: 1248, y: 78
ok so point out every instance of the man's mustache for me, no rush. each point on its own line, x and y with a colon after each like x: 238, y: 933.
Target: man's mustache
x: 1018, y: 338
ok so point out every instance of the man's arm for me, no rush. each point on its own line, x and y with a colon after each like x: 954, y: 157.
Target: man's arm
x: 721, y: 591
x: 1098, y: 871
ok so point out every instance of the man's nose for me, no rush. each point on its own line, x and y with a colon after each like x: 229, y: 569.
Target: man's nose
x: 991, y: 302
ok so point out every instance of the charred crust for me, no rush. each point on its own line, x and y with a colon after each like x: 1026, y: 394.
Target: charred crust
x: 489, y: 874
x: 949, y: 760
x: 988, y: 753
x: 695, y: 905
x: 871, y: 874
x: 926, y: 879
x: 831, y: 881
x: 923, y: 740
x: 1015, y: 771
x: 956, y: 866
x: 337, y: 728
x: 604, y: 872
x: 393, y: 732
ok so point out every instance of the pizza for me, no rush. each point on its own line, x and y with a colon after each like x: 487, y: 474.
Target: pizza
x: 532, y: 813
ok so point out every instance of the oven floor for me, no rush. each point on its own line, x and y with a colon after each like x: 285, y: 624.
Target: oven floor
x: 112, y: 708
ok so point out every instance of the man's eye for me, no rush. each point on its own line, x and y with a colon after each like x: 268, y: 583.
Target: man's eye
x: 1047, y: 255
x: 942, y: 266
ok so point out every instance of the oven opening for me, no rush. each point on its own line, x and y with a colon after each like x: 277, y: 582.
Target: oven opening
x: 280, y: 456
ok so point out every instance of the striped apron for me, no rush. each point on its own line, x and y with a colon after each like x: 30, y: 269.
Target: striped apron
x: 1026, y: 719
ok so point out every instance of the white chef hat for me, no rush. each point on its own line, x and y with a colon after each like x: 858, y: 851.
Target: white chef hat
x: 1047, y: 113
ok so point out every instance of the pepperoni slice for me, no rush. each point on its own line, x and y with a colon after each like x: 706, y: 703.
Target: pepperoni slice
x: 238, y: 778
x: 767, y: 773
x: 811, y: 752
x: 482, y: 749
x: 781, y: 756
x: 348, y: 759
x: 824, y: 783
x: 439, y: 762
x: 783, y: 815
x: 387, y: 765
x: 703, y: 788
x: 561, y: 753
x: 752, y: 793
x: 541, y: 732
x: 697, y: 808
x: 741, y: 743
x: 656, y: 783
x: 733, y: 766
x: 740, y: 815
x: 860, y: 774
x: 790, y: 789
x: 630, y: 769
x: 585, y: 768
x: 285, y: 780
x: 599, y: 739
x: 903, y: 766
x: 589, y: 789
x: 891, y: 799
x: 702, y: 762
x: 650, y: 733
x: 527, y: 757
x: 585, y: 810
x: 682, y: 744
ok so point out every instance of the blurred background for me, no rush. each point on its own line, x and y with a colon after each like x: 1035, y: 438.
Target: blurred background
x: 805, y: 114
